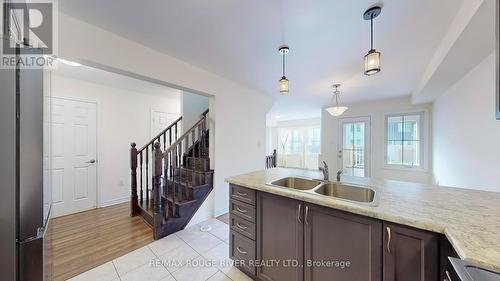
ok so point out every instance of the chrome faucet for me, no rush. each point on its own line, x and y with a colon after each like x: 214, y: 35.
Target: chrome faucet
x: 324, y: 169
x: 339, y: 173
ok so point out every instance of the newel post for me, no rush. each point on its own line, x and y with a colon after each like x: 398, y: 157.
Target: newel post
x: 134, y: 208
x: 157, y: 172
x: 275, y: 159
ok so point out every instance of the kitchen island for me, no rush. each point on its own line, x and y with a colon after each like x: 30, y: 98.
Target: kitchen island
x: 469, y: 219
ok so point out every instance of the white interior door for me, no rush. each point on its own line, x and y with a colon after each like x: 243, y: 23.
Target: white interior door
x: 73, y: 155
x: 354, y: 146
x: 161, y: 120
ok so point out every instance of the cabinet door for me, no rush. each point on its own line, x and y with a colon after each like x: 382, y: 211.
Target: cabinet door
x: 410, y: 254
x: 279, y: 238
x: 341, y: 246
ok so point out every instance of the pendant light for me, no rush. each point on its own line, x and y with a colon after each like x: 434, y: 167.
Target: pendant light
x: 284, y: 50
x: 336, y: 110
x: 372, y: 59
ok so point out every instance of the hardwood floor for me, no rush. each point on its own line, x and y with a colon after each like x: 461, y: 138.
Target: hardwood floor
x: 85, y: 240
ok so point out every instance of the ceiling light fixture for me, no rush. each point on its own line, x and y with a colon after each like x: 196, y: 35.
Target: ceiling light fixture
x: 372, y: 59
x: 336, y: 110
x: 284, y: 50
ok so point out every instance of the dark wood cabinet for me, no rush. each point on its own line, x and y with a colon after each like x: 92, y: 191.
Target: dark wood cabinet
x: 282, y: 239
x: 279, y: 237
x: 410, y: 254
x: 445, y: 251
x: 341, y: 246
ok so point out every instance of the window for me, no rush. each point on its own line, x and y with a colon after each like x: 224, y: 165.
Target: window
x: 404, y: 140
x: 314, y: 141
x: 299, y: 147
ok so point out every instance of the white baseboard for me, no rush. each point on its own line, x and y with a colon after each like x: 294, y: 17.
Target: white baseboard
x: 114, y: 202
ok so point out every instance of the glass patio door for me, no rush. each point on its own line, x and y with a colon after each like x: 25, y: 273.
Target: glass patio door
x: 354, y: 146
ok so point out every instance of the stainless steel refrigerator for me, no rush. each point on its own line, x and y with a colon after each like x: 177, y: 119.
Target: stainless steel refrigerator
x: 23, y: 220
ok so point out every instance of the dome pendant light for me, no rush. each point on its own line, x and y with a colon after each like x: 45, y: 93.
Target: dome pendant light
x: 336, y: 110
x: 284, y: 50
x: 372, y: 59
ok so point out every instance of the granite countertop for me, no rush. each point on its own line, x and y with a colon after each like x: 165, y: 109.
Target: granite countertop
x: 470, y: 219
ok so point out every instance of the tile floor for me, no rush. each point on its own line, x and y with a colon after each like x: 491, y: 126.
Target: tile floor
x: 188, y: 255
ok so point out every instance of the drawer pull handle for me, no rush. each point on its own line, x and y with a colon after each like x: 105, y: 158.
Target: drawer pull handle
x: 241, y: 193
x: 388, y: 239
x: 240, y: 210
x: 298, y: 213
x: 447, y: 276
x: 241, y: 251
x: 306, y: 215
x: 241, y: 226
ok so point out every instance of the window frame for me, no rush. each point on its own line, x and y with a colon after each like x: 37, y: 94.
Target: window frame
x: 423, y: 140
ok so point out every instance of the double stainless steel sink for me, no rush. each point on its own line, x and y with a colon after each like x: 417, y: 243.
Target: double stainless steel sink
x: 339, y: 190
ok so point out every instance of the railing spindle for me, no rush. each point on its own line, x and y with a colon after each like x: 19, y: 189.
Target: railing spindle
x: 157, y: 171
x: 174, y: 180
x: 147, y: 175
x: 140, y: 173
x: 165, y: 141
x: 165, y: 183
x: 175, y: 131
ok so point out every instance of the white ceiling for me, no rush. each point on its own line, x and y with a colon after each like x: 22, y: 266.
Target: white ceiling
x: 327, y: 38
x: 113, y: 80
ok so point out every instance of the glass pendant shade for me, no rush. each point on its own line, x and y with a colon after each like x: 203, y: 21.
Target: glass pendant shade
x: 283, y: 85
x: 336, y: 110
x: 372, y: 62
x: 284, y: 50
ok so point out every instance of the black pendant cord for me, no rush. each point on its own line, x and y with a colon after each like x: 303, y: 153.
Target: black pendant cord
x: 371, y: 32
x: 284, y: 64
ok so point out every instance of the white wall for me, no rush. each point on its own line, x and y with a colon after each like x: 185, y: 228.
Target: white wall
x: 239, y: 115
x: 377, y: 111
x: 193, y: 106
x: 122, y: 117
x: 465, y: 133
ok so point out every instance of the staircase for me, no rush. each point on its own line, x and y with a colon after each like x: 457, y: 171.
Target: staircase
x: 171, y: 177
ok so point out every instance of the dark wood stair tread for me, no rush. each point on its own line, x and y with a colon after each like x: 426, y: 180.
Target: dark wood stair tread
x: 180, y: 203
x: 188, y: 184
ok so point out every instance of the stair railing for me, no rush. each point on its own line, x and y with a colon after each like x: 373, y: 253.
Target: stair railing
x: 165, y: 166
x: 173, y: 159
x: 271, y: 160
x: 140, y: 158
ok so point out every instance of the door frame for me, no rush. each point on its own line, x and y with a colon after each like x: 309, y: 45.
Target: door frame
x: 368, y: 141
x: 98, y: 185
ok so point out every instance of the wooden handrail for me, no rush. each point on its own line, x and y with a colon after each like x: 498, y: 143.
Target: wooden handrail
x: 183, y: 136
x: 160, y: 134
x: 205, y: 113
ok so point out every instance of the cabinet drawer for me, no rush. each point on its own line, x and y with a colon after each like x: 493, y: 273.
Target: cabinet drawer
x: 242, y: 251
x: 243, y: 210
x: 243, y: 227
x: 243, y: 194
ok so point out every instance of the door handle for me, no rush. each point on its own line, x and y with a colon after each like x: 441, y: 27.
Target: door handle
x: 388, y: 239
x: 298, y: 213
x: 92, y: 161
